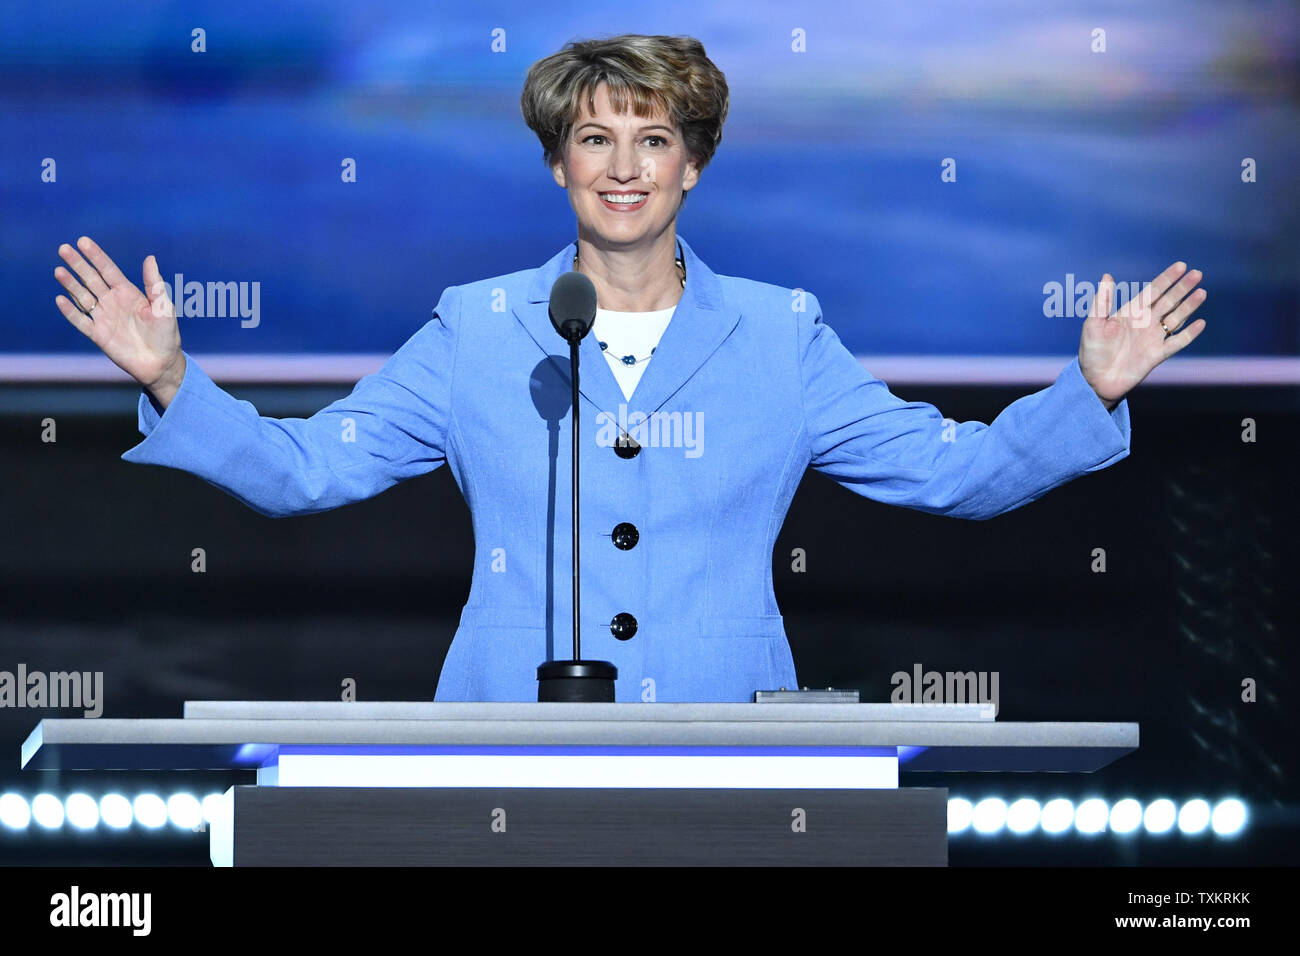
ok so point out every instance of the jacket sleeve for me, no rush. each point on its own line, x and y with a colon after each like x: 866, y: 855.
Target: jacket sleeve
x: 393, y: 426
x: 907, y: 453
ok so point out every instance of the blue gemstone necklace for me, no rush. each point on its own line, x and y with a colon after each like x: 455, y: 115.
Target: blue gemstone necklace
x: 631, y: 360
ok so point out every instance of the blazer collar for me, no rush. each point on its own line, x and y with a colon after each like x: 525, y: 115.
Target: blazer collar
x: 700, y: 323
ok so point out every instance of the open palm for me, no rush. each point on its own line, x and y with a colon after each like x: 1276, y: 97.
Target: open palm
x: 1116, y: 352
x: 137, y: 331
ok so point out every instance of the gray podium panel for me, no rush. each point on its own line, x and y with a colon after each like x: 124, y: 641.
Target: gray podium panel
x: 326, y: 826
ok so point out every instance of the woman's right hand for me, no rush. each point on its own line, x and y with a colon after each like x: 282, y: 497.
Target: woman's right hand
x: 139, y: 333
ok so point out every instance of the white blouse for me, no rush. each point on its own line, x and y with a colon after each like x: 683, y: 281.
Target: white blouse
x: 630, y: 333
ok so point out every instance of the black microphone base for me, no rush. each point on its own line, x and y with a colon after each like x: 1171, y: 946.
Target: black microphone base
x: 573, y: 681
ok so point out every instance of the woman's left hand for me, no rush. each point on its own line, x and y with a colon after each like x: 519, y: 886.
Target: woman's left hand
x: 1118, y: 351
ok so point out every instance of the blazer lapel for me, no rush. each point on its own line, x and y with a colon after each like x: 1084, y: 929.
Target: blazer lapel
x: 699, y: 325
x: 596, y: 382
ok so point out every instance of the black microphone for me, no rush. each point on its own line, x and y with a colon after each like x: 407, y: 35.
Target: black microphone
x: 573, y: 311
x: 573, y: 306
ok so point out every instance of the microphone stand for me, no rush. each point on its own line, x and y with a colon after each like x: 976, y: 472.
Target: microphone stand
x: 575, y: 680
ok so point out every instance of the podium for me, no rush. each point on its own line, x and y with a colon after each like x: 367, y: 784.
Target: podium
x: 572, y: 784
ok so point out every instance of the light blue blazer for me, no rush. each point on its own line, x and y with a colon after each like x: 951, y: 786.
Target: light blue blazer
x: 748, y: 388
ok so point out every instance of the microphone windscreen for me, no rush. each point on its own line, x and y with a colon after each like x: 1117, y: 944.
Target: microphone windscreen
x: 573, y: 306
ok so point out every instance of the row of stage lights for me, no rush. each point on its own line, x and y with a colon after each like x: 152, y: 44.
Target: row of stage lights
x: 988, y: 817
x: 993, y: 816
x: 81, y: 811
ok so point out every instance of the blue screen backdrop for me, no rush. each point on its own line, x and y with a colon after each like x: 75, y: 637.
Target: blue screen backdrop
x: 226, y: 164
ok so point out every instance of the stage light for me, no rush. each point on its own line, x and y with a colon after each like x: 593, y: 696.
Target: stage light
x: 1229, y: 817
x: 149, y: 810
x: 1125, y: 816
x: 14, y: 812
x: 1022, y: 816
x: 47, y: 810
x: 959, y: 814
x: 214, y: 807
x: 1160, y: 816
x: 1057, y: 816
x: 82, y: 811
x: 989, y: 815
x: 1091, y: 816
x: 184, y: 811
x: 115, y: 811
x: 1194, y: 817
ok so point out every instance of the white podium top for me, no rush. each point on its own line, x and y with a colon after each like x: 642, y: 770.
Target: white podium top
x: 211, y: 736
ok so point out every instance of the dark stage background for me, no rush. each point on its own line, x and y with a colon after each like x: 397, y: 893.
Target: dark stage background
x: 1198, y: 529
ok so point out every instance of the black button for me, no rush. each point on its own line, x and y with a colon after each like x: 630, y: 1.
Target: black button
x: 625, y: 446
x: 626, y: 536
x: 623, y: 626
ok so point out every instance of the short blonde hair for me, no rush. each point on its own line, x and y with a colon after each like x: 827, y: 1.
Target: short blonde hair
x: 671, y: 73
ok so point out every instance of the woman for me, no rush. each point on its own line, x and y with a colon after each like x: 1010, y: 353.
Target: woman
x: 678, y: 521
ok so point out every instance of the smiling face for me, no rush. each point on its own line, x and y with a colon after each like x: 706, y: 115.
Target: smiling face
x: 625, y: 174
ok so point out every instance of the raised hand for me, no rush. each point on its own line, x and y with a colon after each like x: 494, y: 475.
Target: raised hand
x: 1118, y: 351
x: 138, y: 332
